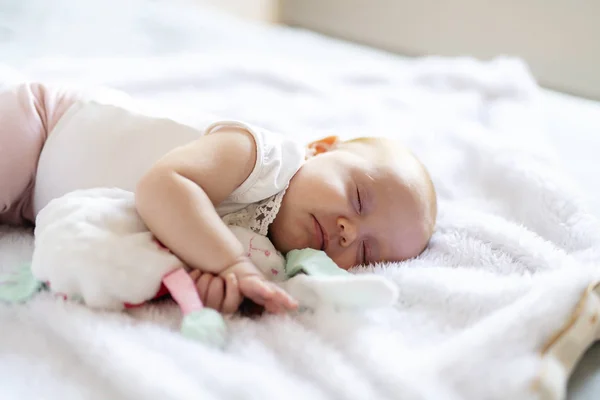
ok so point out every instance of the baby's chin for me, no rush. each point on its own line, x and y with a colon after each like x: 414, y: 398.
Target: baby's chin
x: 284, y: 241
x: 277, y: 237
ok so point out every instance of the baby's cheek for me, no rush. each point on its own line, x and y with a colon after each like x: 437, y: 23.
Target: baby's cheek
x: 344, y: 258
x: 298, y: 238
x: 316, y: 183
x: 292, y: 236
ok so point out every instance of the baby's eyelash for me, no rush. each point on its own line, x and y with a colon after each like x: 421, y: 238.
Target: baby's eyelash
x: 359, y: 200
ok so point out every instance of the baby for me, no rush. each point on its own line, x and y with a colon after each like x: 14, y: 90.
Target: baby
x: 361, y: 201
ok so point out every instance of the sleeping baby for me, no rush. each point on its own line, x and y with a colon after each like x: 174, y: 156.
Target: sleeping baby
x: 361, y: 201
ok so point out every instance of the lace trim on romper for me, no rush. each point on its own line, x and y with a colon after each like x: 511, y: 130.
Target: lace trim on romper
x: 257, y: 216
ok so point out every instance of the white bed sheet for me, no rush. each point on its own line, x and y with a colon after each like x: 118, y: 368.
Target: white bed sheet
x: 52, y: 40
x: 573, y: 125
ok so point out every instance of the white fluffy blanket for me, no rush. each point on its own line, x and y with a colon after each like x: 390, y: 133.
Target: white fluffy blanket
x: 498, y: 307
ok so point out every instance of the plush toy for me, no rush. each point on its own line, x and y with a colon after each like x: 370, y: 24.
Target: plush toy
x: 91, y: 246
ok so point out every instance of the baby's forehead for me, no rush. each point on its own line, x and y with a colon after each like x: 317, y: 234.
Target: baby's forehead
x: 387, y: 164
x: 382, y: 152
x: 387, y: 160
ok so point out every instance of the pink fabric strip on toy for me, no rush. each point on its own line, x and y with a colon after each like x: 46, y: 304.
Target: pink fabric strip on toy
x: 183, y: 290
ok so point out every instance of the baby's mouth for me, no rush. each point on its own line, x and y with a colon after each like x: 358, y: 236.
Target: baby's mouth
x: 319, y: 234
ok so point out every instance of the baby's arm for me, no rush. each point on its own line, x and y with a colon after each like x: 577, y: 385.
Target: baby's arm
x: 177, y: 199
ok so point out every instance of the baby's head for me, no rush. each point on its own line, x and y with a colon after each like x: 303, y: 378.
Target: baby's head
x: 361, y: 201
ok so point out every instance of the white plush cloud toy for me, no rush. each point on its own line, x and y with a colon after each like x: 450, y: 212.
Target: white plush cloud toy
x: 92, y: 246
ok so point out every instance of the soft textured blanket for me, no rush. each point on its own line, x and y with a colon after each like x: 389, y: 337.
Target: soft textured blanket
x: 499, y: 306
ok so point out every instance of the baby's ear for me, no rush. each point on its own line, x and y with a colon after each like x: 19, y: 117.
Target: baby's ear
x: 322, y: 145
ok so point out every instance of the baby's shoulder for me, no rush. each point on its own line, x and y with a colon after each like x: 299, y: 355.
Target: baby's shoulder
x: 271, y: 145
x: 278, y: 158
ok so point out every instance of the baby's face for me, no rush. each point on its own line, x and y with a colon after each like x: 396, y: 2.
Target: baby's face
x: 360, y: 204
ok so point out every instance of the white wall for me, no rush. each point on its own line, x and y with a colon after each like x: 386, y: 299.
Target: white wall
x: 560, y: 39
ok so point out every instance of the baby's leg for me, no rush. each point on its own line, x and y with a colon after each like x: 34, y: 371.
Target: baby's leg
x: 28, y: 112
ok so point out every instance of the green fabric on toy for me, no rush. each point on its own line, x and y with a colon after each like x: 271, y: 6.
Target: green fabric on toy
x: 199, y: 323
x: 205, y: 325
x: 18, y: 285
x: 315, y: 280
x: 311, y: 262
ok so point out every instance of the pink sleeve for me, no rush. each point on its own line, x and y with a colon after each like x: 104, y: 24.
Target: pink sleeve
x: 28, y: 112
x: 50, y: 103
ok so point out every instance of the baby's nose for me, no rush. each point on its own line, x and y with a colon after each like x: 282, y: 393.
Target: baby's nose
x: 347, y: 231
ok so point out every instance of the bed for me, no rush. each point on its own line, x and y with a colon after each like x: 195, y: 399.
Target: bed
x: 179, y: 57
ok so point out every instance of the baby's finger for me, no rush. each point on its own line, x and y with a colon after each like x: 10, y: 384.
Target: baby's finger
x: 273, y: 308
x: 195, y: 274
x: 256, y: 289
x: 280, y: 302
x: 233, y: 298
x: 216, y: 292
x: 285, y: 300
x: 202, y: 286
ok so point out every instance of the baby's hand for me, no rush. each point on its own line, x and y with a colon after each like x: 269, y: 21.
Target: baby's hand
x: 217, y: 293
x: 251, y: 283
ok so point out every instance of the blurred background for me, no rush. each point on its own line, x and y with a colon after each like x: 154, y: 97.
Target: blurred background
x: 559, y: 39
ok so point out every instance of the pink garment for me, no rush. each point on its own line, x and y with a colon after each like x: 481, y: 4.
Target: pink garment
x: 28, y: 113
